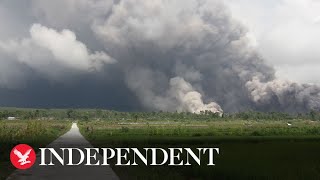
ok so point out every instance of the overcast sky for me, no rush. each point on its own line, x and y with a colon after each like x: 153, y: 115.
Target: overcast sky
x: 286, y: 32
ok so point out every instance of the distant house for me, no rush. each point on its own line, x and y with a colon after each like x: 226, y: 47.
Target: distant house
x: 12, y: 118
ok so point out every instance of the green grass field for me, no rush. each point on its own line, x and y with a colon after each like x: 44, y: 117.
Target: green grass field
x: 253, y: 145
x: 249, y: 149
x: 222, y: 128
x: 33, y: 132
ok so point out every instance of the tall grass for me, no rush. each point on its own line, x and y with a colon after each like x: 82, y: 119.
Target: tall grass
x: 33, y: 132
x: 30, y: 130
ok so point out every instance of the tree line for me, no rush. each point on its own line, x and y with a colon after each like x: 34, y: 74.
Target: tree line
x: 100, y: 114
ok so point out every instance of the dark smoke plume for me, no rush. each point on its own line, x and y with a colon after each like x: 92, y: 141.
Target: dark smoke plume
x: 173, y: 55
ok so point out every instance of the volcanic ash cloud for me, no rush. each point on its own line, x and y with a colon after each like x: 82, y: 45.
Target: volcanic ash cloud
x: 173, y: 55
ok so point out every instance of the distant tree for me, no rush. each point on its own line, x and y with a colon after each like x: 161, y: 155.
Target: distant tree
x: 98, y: 113
x: 85, y: 118
x: 71, y: 114
x: 37, y: 114
x: 313, y: 115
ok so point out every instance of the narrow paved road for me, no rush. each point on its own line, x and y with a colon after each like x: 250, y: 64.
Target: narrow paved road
x: 72, y: 138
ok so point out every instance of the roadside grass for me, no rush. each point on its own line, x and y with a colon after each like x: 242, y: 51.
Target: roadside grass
x: 249, y: 149
x: 203, y: 128
x: 32, y: 132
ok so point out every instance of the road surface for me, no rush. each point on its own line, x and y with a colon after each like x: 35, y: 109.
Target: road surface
x: 71, y: 139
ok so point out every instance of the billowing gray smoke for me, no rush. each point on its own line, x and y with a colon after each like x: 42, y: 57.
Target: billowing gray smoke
x: 173, y: 55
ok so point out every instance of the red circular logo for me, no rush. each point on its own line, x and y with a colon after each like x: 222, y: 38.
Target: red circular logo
x: 22, y: 156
